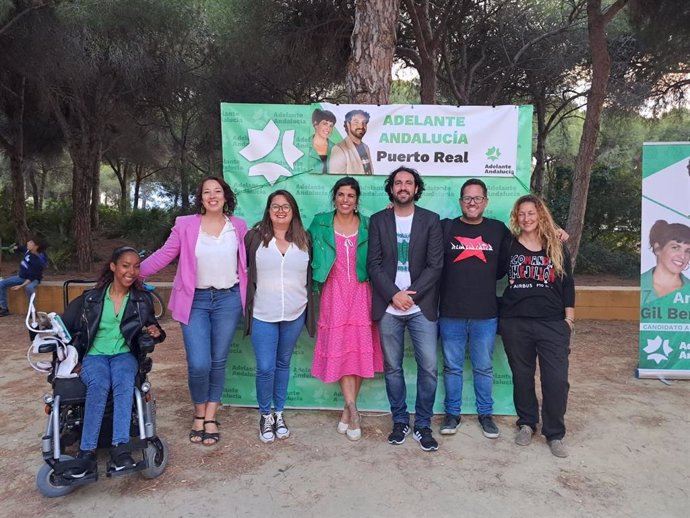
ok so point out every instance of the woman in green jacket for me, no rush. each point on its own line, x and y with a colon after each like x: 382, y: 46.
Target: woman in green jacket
x: 347, y: 342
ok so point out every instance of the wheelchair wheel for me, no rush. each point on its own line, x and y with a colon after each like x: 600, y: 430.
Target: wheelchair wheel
x: 45, y: 481
x: 157, y: 454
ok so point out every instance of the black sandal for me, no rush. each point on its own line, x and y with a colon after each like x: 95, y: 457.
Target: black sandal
x: 210, y: 436
x: 197, y: 434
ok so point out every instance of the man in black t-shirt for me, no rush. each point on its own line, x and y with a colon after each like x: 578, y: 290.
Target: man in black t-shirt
x: 474, y: 257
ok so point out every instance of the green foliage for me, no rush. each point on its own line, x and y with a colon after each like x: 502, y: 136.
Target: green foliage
x: 595, y: 258
x: 611, y: 236
x: 143, y: 229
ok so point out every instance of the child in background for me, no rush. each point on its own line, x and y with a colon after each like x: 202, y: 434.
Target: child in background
x: 30, y: 271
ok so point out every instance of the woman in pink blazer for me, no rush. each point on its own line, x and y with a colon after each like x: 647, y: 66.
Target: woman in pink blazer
x: 208, y: 294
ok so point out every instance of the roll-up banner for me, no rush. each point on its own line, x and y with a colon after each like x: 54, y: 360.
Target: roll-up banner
x: 665, y: 261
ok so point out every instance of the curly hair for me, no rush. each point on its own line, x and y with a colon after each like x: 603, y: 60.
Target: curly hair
x: 547, y: 231
x: 419, y: 183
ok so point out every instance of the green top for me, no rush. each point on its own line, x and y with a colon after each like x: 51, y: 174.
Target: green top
x: 109, y: 340
x: 323, y: 247
x: 649, y: 296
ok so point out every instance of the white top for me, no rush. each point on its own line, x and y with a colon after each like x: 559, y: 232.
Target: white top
x: 216, y: 259
x: 403, y: 228
x: 281, y: 283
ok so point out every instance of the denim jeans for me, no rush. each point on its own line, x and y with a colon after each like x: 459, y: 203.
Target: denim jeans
x: 207, y: 339
x: 456, y: 333
x: 101, y: 373
x: 424, y: 336
x: 273, y: 344
x: 15, y: 281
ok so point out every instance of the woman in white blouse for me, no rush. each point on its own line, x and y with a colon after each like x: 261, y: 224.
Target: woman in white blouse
x: 279, y: 302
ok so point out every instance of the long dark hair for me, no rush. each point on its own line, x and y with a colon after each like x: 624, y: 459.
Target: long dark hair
x: 295, y: 233
x: 230, y: 199
x: 107, y: 276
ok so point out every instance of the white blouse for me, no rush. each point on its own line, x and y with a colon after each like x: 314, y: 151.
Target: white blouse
x: 281, y: 283
x: 216, y: 259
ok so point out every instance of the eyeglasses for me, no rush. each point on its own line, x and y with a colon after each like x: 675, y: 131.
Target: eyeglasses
x: 475, y: 199
x: 278, y: 208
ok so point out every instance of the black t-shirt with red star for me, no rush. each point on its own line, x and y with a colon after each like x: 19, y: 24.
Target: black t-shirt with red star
x: 472, y: 255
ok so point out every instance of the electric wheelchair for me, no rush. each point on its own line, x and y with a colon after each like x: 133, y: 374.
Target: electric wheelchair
x: 61, y: 472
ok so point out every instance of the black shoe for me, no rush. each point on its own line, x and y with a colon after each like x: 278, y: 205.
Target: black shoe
x: 489, y: 428
x: 450, y: 425
x: 4, y: 312
x: 400, y: 431
x: 121, y: 455
x: 425, y: 439
x: 88, y: 461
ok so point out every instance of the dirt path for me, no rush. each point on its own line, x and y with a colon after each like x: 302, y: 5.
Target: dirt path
x: 627, y: 438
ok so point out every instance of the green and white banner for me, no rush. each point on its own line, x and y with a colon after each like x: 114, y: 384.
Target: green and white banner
x: 665, y: 261
x: 267, y: 147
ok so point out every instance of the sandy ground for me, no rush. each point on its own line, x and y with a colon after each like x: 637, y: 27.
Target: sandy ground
x: 628, y: 443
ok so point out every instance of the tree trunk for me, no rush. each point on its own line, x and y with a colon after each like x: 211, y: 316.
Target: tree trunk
x: 21, y: 229
x: 82, y: 178
x: 537, y: 180
x: 35, y: 192
x: 96, y: 190
x: 601, y: 69
x: 15, y: 151
x: 184, y: 179
x: 373, y: 40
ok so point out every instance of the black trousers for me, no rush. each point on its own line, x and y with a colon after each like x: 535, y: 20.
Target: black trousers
x: 525, y: 340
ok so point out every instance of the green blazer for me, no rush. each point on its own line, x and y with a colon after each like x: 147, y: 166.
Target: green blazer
x: 323, y: 247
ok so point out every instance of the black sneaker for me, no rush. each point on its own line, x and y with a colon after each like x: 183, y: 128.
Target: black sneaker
x: 281, y: 428
x: 4, y: 312
x: 88, y: 461
x: 450, y: 425
x: 400, y: 431
x: 121, y: 455
x: 266, y: 430
x: 425, y: 439
x: 488, y: 426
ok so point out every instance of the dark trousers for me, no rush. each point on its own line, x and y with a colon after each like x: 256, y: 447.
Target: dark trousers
x: 525, y: 340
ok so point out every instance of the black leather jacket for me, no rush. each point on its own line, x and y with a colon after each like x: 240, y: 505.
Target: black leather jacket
x: 83, y: 315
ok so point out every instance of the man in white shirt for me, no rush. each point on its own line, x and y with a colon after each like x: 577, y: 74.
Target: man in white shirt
x: 404, y: 262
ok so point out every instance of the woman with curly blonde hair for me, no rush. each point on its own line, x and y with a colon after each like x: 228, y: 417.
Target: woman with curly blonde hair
x: 537, y: 319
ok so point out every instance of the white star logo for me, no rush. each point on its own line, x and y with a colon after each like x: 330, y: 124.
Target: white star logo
x: 261, y: 143
x: 653, y: 346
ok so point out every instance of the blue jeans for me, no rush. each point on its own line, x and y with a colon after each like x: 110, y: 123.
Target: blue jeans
x: 456, y: 333
x: 100, y: 374
x: 424, y: 335
x: 207, y: 338
x: 15, y: 280
x: 273, y: 344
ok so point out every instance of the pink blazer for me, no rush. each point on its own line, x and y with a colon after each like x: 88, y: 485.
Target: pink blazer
x: 182, y: 243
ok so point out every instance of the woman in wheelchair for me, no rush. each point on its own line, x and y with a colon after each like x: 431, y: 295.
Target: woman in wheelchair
x: 111, y: 324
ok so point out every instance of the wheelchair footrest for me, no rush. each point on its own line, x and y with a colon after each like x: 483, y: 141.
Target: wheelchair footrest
x: 75, y: 472
x: 136, y: 448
